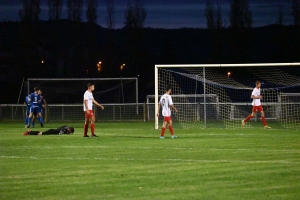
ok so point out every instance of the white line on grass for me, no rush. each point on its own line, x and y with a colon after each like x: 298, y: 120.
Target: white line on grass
x: 144, y: 147
x: 147, y: 159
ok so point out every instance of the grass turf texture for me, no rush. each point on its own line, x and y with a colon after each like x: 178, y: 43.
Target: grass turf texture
x: 129, y: 161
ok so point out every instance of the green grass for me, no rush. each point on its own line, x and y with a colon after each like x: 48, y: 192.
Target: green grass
x: 129, y: 161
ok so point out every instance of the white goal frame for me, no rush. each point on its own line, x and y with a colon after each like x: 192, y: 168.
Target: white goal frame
x: 90, y: 79
x: 204, y: 79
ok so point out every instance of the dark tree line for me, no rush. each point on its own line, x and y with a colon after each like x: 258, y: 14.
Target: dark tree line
x: 241, y: 16
x: 296, y: 11
x: 30, y: 11
x: 212, y: 21
x: 55, y: 7
x: 135, y: 13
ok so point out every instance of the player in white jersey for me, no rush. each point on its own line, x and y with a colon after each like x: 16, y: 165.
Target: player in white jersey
x: 256, y: 106
x: 88, y: 101
x: 166, y: 103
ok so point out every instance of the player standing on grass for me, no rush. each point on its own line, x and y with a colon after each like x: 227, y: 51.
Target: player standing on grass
x: 166, y: 103
x: 35, y: 99
x: 256, y: 106
x: 42, y: 105
x: 88, y: 101
x: 27, y: 103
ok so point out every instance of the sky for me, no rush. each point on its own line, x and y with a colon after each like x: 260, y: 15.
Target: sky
x: 168, y: 14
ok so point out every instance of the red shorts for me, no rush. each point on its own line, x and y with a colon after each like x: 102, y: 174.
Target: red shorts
x: 167, y: 119
x: 91, y: 114
x: 257, y: 108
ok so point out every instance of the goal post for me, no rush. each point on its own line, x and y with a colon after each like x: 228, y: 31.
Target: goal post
x: 70, y: 90
x: 280, y: 87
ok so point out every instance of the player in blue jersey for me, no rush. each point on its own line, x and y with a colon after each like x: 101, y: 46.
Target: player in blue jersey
x: 35, y: 99
x: 27, y: 103
x: 42, y: 104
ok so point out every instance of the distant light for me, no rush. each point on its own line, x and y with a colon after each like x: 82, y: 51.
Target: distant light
x: 122, y: 67
x: 99, y: 66
x: 42, y: 62
x: 228, y: 74
x: 138, y: 75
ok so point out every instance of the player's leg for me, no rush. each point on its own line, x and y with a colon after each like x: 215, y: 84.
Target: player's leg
x: 93, y: 126
x: 33, y: 120
x: 171, y: 128
x: 27, y: 116
x: 29, y: 132
x: 50, y: 132
x: 163, y: 129
x: 40, y: 118
x: 249, y: 116
x: 30, y: 117
x: 263, y: 119
x: 86, y: 125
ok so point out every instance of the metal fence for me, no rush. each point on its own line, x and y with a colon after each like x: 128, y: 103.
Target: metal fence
x: 146, y: 111
x: 74, y: 112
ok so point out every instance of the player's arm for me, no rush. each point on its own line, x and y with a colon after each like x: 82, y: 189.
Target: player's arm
x: 98, y: 104
x: 172, y: 106
x: 86, y: 106
x: 253, y: 96
x: 256, y: 97
x: 44, y: 103
x: 158, y: 110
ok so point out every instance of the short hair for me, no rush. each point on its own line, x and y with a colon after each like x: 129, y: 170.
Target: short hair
x: 89, y: 84
x: 257, y: 82
x: 168, y: 88
x: 36, y: 88
x: 72, y: 129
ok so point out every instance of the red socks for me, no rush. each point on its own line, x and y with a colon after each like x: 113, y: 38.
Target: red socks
x: 171, y: 130
x: 263, y: 119
x: 248, y: 118
x: 85, y: 129
x: 93, y: 129
x: 163, y: 130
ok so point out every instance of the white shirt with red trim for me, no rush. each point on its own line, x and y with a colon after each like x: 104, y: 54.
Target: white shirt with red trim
x: 256, y: 92
x: 166, y: 102
x: 89, y: 97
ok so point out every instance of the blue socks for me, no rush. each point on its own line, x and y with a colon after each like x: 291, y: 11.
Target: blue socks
x: 41, y: 120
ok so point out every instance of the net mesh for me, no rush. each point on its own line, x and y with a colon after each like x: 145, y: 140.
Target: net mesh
x: 58, y: 91
x: 228, y: 95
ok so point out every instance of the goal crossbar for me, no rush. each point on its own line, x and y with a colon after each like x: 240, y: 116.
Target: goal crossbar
x: 231, y: 65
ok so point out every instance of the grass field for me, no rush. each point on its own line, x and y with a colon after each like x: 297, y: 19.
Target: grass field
x: 129, y: 161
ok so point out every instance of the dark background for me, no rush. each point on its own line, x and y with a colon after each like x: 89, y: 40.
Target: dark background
x: 70, y: 48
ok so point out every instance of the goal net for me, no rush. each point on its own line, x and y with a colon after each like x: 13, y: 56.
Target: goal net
x: 65, y: 97
x: 219, y: 95
x: 70, y: 90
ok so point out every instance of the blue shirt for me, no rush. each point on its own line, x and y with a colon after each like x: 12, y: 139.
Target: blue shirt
x: 27, y: 101
x: 35, y: 99
x: 42, y: 102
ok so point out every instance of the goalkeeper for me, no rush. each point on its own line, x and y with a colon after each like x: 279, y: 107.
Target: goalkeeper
x: 59, y: 131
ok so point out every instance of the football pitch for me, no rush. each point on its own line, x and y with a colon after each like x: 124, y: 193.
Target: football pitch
x: 129, y: 161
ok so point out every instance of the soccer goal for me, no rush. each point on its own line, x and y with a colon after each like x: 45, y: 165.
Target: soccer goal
x: 218, y: 95
x: 65, y: 97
